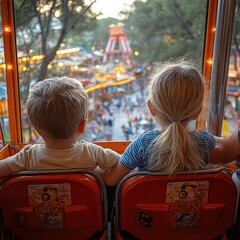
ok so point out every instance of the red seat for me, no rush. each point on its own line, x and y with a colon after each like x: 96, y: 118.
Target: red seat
x: 60, y: 204
x: 199, y: 205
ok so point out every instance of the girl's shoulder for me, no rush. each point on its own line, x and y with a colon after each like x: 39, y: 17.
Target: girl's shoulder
x: 147, y: 137
x: 150, y: 134
x: 202, y: 134
x: 204, y: 139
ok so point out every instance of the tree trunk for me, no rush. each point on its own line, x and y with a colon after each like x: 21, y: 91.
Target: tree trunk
x: 43, y: 70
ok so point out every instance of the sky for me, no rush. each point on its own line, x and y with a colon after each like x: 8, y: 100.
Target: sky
x: 110, y: 8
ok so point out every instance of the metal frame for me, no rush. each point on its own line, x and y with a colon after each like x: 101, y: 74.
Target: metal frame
x: 221, y: 56
x: 12, y: 80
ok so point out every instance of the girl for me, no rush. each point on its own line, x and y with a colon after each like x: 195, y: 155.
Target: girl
x: 176, y: 95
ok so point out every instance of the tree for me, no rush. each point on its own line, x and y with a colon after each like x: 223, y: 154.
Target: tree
x: 236, y: 32
x: 236, y: 39
x: 48, y: 24
x: 166, y: 28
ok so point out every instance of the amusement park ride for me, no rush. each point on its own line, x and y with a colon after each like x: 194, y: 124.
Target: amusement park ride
x: 119, y: 73
x: 117, y: 35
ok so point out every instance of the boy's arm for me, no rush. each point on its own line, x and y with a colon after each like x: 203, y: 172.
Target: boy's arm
x: 114, y: 175
x: 4, y: 169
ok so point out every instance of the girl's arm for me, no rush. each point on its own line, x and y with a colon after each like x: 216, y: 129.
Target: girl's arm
x: 99, y: 171
x: 231, y: 146
x: 113, y: 176
x: 131, y: 157
x: 226, y: 150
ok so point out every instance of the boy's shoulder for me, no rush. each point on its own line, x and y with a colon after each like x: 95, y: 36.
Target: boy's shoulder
x: 86, y: 144
x: 32, y: 147
x: 92, y: 146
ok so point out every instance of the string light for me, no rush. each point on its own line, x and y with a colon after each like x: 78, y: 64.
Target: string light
x: 70, y: 50
x: 209, y: 61
x: 7, y: 29
x: 9, y: 66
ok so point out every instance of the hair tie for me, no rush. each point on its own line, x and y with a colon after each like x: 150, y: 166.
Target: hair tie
x: 172, y: 120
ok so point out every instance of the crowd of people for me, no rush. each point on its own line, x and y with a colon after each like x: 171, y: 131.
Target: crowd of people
x: 120, y: 118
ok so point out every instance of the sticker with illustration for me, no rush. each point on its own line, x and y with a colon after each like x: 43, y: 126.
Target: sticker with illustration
x: 195, y: 191
x: 48, y: 201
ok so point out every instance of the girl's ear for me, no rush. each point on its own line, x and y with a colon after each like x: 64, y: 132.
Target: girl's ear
x: 151, y: 108
x: 82, y: 126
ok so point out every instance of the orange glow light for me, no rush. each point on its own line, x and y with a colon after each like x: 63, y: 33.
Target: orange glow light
x: 7, y: 29
x: 9, y: 66
x: 209, y: 61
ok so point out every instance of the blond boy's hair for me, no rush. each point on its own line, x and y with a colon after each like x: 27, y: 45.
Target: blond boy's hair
x: 57, y: 106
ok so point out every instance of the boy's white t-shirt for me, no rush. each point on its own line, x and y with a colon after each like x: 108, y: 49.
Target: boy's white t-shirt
x: 83, y: 155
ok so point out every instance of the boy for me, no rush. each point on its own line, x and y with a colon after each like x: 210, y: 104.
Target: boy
x: 57, y: 109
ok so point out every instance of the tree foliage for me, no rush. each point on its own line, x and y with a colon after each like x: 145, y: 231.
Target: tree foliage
x: 44, y: 25
x: 236, y: 32
x: 167, y: 28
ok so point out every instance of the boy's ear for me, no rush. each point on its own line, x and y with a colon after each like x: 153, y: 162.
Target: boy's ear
x: 151, y: 108
x: 82, y: 126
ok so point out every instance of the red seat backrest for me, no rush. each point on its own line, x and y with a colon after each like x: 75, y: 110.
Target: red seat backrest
x: 69, y: 204
x: 186, y: 206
